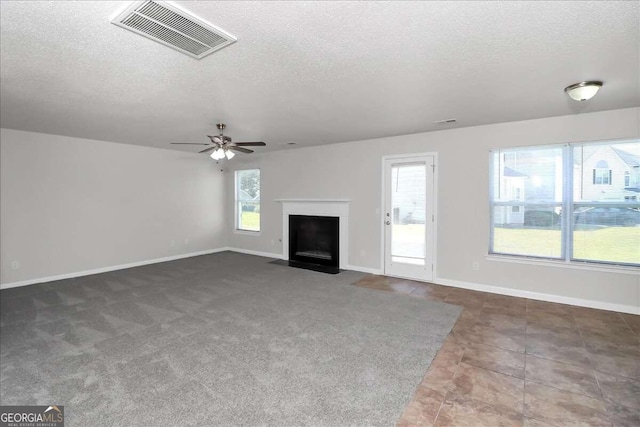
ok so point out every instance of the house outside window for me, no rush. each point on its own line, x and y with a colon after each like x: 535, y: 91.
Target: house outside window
x: 561, y: 211
x: 247, y: 201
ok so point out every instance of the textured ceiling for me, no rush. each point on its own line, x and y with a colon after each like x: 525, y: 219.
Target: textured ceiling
x: 313, y: 72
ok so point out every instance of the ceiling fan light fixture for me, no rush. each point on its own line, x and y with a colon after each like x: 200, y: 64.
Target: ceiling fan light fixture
x: 222, y: 146
x: 218, y: 154
x: 583, y: 91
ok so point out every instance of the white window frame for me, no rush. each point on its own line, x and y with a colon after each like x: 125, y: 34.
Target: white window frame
x: 237, y: 201
x: 567, y: 205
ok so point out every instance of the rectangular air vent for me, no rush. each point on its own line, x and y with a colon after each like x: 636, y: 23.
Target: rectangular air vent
x: 173, y: 27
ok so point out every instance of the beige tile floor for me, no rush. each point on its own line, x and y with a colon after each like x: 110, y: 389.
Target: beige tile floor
x: 518, y: 362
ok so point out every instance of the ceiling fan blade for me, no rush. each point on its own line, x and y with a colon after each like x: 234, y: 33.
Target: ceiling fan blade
x: 240, y: 149
x: 190, y: 143
x: 208, y: 149
x: 249, y: 144
x: 215, y: 139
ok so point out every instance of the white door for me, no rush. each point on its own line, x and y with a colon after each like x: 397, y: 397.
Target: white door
x: 409, y: 217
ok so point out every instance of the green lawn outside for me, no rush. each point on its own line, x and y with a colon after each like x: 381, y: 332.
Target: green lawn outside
x: 250, y: 221
x: 612, y: 244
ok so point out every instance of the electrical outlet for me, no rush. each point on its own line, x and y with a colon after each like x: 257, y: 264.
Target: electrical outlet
x: 475, y: 265
x: 15, y: 265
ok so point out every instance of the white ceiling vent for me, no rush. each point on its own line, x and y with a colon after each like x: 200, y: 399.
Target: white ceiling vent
x: 173, y: 27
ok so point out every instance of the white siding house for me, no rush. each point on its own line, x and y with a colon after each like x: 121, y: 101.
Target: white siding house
x: 606, y: 173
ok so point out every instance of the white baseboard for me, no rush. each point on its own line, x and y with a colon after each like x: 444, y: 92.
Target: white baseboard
x: 107, y: 269
x: 622, y: 308
x: 279, y: 256
x: 154, y: 261
x: 368, y: 270
x: 257, y: 253
x: 439, y: 280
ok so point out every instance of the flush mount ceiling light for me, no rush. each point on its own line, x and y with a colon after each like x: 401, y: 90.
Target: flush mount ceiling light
x: 583, y: 91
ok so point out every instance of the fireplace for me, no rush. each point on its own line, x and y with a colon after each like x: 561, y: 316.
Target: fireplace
x: 314, y: 240
x: 335, y: 209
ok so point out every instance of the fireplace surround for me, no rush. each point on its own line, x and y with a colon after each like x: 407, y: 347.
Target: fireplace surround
x: 337, y: 208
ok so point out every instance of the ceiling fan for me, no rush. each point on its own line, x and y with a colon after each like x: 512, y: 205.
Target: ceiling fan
x: 223, y: 146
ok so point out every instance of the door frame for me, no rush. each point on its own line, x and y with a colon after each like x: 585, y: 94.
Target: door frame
x: 383, y: 203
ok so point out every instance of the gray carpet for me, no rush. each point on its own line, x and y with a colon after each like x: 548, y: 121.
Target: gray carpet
x: 224, y: 339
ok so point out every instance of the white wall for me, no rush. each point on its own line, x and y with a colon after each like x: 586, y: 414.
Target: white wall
x: 70, y: 205
x: 353, y: 171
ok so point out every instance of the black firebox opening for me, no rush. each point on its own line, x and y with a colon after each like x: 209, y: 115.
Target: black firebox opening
x: 314, y: 240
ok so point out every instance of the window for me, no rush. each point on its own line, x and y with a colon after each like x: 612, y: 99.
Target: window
x: 602, y: 173
x: 248, y: 200
x: 549, y: 202
x: 516, y: 193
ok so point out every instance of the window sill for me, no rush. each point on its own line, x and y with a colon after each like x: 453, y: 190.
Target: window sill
x: 577, y: 265
x: 247, y: 232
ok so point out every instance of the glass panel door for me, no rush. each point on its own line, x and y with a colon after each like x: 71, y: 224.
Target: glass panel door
x: 409, y: 217
x: 408, y: 204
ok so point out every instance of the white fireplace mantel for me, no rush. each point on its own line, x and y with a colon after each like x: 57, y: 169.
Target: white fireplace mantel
x: 318, y: 207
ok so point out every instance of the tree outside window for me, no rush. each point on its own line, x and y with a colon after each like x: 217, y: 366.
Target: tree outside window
x: 248, y: 200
